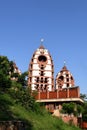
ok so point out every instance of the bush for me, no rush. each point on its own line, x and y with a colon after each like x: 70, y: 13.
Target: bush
x: 70, y: 108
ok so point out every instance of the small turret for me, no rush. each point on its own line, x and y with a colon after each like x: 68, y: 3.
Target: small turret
x: 64, y: 79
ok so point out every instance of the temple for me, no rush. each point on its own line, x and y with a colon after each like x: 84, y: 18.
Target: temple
x: 52, y: 92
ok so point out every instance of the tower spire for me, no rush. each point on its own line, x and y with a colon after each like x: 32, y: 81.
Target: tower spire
x: 64, y: 63
x: 42, y: 40
x: 41, y: 46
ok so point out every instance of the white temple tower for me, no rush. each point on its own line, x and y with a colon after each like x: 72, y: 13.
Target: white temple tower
x: 41, y: 71
x: 64, y: 79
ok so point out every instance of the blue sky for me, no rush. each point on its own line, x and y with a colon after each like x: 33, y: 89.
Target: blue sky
x: 62, y: 24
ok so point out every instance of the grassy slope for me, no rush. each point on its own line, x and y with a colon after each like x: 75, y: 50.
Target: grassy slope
x: 35, y: 121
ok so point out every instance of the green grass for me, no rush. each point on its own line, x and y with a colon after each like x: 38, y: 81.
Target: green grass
x: 34, y: 121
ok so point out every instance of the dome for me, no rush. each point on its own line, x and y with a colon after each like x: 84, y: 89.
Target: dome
x: 64, y: 79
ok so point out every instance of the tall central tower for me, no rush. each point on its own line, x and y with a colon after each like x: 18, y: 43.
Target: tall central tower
x: 41, y: 71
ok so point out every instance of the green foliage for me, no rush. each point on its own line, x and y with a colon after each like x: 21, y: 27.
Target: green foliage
x: 84, y: 114
x: 23, y: 97
x: 4, y: 65
x: 5, y: 69
x: 5, y: 103
x: 84, y: 107
x: 80, y: 109
x: 17, y: 90
x: 22, y: 79
x: 72, y: 108
x: 68, y: 108
x: 40, y: 122
x: 5, y: 82
x: 10, y: 110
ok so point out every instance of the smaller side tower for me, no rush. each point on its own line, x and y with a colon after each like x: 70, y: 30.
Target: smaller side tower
x: 64, y: 79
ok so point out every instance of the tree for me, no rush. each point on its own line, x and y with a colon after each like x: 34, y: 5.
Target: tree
x: 72, y: 108
x: 83, y: 96
x: 16, y: 88
x: 5, y: 82
x: 84, y: 114
x: 84, y: 106
x: 22, y: 79
x: 5, y: 68
x: 68, y: 108
x: 8, y: 73
x: 79, y: 108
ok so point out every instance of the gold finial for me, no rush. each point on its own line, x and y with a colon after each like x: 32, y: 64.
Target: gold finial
x: 64, y: 63
x: 42, y: 40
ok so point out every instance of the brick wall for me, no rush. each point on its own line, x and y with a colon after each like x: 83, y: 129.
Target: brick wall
x: 73, y: 92
x: 52, y: 95
x: 64, y: 93
x: 70, y: 119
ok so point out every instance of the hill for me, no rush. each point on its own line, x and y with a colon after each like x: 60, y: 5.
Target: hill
x: 40, y: 120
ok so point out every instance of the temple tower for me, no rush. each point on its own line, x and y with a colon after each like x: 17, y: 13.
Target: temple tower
x: 64, y: 79
x: 41, y: 71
